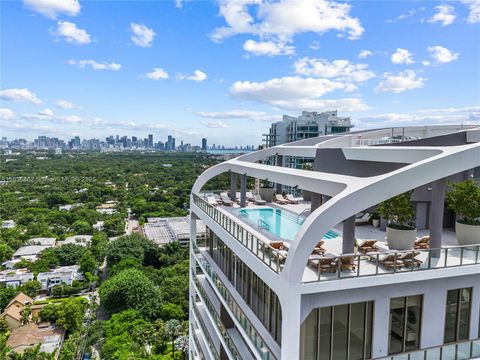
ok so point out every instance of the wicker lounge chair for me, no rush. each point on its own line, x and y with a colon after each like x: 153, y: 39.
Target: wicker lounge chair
x: 391, y: 262
x: 422, y: 243
x: 367, y: 246
x: 409, y: 259
x: 347, y: 263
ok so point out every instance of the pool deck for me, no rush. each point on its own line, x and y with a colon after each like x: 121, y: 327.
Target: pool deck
x: 333, y: 246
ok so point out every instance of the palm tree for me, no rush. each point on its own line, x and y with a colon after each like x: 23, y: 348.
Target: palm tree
x: 173, y: 328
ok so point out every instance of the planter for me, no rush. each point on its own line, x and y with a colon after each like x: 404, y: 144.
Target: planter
x: 266, y: 194
x: 401, y: 239
x: 467, y: 234
x: 376, y: 223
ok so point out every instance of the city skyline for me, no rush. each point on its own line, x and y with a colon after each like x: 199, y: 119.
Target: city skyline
x: 189, y: 69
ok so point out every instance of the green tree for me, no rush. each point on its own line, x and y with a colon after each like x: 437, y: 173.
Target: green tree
x: 131, y: 289
x: 31, y: 288
x: 49, y: 313
x: 98, y: 245
x: 88, y: 263
x: 6, y: 295
x: 82, y: 227
x: 399, y: 211
x: 173, y: 328
x: 6, y: 252
x: 464, y: 199
x: 70, y: 314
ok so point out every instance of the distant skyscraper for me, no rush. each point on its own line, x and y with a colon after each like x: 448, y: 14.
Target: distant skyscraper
x: 204, y: 144
x: 150, y: 140
x: 173, y: 143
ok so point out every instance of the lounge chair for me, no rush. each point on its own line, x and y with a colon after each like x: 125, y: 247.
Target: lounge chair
x: 323, y: 264
x: 238, y: 196
x: 279, y: 200
x: 258, y: 200
x: 409, y: 259
x: 211, y: 200
x: 226, y: 201
x: 367, y: 246
x: 217, y: 198
x: 291, y: 199
x: 319, y: 249
x: 391, y: 262
x: 280, y: 248
x: 422, y: 243
x: 362, y: 219
x: 249, y: 196
x: 347, y: 262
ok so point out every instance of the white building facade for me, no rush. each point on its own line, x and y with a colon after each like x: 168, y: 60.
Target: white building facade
x: 251, y: 299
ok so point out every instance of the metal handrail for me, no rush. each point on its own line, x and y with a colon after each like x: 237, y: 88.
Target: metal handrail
x: 261, y: 222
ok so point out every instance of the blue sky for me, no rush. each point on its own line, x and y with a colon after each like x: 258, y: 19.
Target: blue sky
x: 226, y: 69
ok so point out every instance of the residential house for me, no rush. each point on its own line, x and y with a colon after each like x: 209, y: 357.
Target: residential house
x: 13, y: 311
x: 49, y: 337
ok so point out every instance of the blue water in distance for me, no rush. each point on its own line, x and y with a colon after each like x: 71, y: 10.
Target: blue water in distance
x: 279, y: 222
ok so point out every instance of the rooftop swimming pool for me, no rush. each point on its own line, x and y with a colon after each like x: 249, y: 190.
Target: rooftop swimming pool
x: 280, y: 223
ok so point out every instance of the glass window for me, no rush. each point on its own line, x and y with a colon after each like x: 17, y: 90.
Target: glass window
x: 457, y: 315
x: 405, y: 323
x: 341, y: 332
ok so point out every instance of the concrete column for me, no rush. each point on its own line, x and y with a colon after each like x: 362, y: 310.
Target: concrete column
x: 233, y: 186
x: 380, y: 327
x: 243, y: 191
x: 315, y: 201
x: 436, y: 215
x: 278, y: 162
x: 434, y: 302
x: 291, y: 322
x: 348, y: 243
x: 325, y: 198
x: 475, y: 311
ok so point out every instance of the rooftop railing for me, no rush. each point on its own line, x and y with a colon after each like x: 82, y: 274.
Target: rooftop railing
x: 260, y: 248
x: 260, y: 345
x: 390, y: 262
x: 206, y: 334
x: 459, y: 351
x: 216, y: 317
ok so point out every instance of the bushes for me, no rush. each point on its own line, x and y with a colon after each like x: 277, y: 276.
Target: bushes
x: 131, y: 288
x: 464, y: 199
x: 398, y: 211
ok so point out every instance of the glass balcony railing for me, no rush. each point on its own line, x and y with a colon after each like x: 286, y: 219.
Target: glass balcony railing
x: 459, y: 351
x: 324, y: 268
x: 260, y: 345
x: 206, y: 334
x: 218, y: 322
x: 267, y: 254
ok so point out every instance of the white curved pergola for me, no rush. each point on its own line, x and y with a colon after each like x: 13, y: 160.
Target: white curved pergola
x: 352, y: 194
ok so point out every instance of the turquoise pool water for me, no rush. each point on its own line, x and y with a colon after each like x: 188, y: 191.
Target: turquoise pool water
x: 279, y: 222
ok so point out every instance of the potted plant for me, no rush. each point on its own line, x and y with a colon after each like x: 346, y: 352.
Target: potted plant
x: 266, y: 190
x: 464, y: 199
x: 399, y: 212
x: 375, y: 219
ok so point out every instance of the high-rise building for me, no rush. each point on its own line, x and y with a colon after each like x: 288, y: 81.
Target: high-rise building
x: 307, y: 125
x: 266, y: 284
x: 150, y: 141
x: 204, y: 144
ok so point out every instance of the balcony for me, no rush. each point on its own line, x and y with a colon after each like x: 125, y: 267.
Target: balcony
x: 459, y: 351
x: 331, y: 264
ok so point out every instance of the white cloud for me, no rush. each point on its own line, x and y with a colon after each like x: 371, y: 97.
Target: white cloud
x: 216, y: 124
x: 197, y: 76
x: 474, y: 8
x: 6, y: 114
x: 48, y: 115
x: 269, y: 48
x: 237, y: 114
x: 142, y: 35
x: 426, y: 63
x: 283, y: 19
x: 410, y: 13
x: 95, y: 65
x: 20, y: 95
x: 402, y: 56
x: 445, y: 15
x: 337, y: 69
x: 364, y: 54
x: 465, y: 115
x: 64, y: 104
x: 53, y: 8
x: 157, y: 74
x: 294, y: 93
x: 397, y: 83
x: 71, y: 33
x: 441, y: 54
